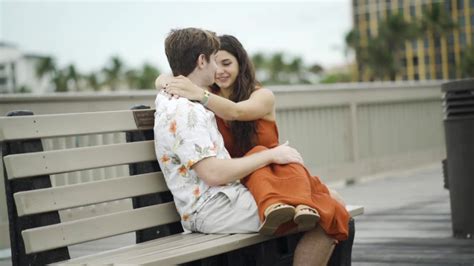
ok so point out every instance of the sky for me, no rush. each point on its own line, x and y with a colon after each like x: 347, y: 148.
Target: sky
x: 88, y: 33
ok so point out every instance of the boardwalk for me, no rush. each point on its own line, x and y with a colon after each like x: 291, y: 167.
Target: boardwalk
x: 407, y: 222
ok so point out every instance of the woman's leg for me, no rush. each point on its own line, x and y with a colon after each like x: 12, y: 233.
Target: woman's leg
x: 314, y: 248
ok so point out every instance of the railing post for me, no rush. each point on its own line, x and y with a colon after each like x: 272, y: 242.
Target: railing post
x: 354, y: 132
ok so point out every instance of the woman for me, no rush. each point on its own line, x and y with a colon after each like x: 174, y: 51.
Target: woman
x: 246, y: 118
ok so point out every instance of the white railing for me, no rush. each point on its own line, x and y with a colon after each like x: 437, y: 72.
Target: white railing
x: 342, y: 130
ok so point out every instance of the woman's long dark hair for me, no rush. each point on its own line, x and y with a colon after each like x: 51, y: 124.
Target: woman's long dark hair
x: 244, y: 132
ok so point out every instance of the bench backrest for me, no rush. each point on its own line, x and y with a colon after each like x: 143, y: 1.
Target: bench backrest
x: 35, y: 199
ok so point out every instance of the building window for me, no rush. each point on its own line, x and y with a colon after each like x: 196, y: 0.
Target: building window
x: 472, y: 3
x: 451, y: 58
x: 451, y: 38
x: 437, y: 42
x: 462, y: 38
x: 438, y: 58
x: 426, y: 42
x: 460, y: 4
x: 438, y: 75
x: 415, y: 60
x: 3, y: 81
x: 447, y: 5
x: 428, y: 75
x: 414, y: 44
x: 417, y: 76
x: 400, y: 4
x: 462, y: 21
x: 427, y: 59
x: 404, y: 62
x: 367, y: 17
x: 412, y: 11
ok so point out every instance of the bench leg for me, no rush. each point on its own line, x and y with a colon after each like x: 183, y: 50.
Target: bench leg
x: 342, y: 254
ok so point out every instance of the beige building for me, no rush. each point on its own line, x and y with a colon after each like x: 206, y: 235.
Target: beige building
x: 424, y: 58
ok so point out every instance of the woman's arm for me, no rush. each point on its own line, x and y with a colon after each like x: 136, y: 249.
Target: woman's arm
x: 260, y: 104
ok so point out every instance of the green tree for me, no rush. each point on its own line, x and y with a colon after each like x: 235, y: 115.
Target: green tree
x: 93, y: 81
x: 147, y: 76
x: 467, y: 62
x: 276, y: 67
x: 436, y: 24
x: 60, y: 81
x: 113, y: 72
x: 44, y: 66
x: 72, y: 76
x: 381, y: 52
x: 133, y: 79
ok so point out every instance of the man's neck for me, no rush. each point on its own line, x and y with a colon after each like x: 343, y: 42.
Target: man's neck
x: 196, y: 79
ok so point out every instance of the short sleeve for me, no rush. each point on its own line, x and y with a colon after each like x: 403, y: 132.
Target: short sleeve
x: 193, y: 137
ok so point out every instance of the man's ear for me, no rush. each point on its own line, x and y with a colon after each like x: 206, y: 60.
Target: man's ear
x: 201, y: 61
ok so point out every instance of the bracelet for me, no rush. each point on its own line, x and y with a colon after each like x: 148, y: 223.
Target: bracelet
x: 205, y: 98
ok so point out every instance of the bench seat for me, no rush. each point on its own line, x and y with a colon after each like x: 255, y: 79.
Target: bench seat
x: 38, y: 236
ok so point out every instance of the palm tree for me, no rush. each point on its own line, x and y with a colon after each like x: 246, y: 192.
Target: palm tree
x: 148, y: 76
x: 467, y: 62
x: 60, y: 81
x: 261, y: 67
x: 133, y: 79
x: 295, y: 68
x: 381, y: 51
x: 72, y: 75
x: 44, y: 66
x: 276, y: 67
x: 113, y: 72
x: 436, y: 24
x: 92, y: 81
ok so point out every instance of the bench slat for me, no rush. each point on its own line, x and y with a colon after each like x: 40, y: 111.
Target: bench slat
x: 61, y: 161
x: 159, y: 246
x: 75, y: 232
x: 184, y: 254
x: 190, y: 253
x: 136, y: 248
x: 64, y: 197
x: 43, y: 126
x: 355, y: 210
x: 152, y: 246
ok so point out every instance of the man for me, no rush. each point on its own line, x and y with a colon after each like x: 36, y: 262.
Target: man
x: 198, y: 170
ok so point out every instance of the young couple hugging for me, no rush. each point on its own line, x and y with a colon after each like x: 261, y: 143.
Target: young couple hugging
x: 216, y: 141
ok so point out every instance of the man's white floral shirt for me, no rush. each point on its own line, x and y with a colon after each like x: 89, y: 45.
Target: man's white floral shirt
x: 185, y: 133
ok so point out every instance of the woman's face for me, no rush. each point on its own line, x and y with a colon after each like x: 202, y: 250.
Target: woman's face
x: 227, y: 69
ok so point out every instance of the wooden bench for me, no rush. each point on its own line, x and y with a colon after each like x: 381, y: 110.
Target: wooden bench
x: 39, y: 237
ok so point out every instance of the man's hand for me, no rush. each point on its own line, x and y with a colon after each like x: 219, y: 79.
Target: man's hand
x: 284, y: 154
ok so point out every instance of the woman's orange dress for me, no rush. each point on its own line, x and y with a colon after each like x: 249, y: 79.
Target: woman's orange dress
x: 290, y: 183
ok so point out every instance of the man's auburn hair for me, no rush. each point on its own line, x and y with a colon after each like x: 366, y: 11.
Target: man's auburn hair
x: 183, y: 47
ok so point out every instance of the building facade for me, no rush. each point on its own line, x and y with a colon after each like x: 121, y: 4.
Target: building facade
x: 18, y: 72
x: 425, y: 58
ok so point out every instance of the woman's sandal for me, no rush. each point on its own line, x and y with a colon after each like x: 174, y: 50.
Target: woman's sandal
x: 276, y: 215
x: 306, y: 218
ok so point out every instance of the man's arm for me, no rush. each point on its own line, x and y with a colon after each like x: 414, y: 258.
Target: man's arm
x: 217, y: 172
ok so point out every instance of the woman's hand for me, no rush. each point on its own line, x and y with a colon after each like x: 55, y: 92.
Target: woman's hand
x: 162, y: 81
x: 284, y: 154
x: 183, y: 87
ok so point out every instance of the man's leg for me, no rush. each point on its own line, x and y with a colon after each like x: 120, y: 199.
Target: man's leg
x: 314, y: 248
x: 342, y: 254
